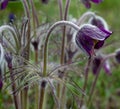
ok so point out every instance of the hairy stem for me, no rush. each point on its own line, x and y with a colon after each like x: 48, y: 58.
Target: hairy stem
x: 26, y: 53
x: 15, y: 96
x: 59, y: 23
x: 60, y: 3
x: 42, y: 97
x: 36, y: 86
x: 84, y: 17
x: 63, y: 89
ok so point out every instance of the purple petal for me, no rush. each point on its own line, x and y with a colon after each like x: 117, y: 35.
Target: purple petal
x: 107, y: 67
x: 99, y: 44
x: 97, y: 1
x: 95, y: 64
x: 108, y: 33
x: 90, y: 37
x: 94, y: 32
x: 4, y: 4
x: 85, y: 43
x: 1, y: 84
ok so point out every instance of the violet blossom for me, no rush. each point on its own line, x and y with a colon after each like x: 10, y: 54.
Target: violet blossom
x: 87, y: 3
x: 90, y: 37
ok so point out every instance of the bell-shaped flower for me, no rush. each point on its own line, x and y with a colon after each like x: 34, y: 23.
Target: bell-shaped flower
x: 96, y: 63
x: 90, y: 37
x: 87, y: 3
x: 3, y: 4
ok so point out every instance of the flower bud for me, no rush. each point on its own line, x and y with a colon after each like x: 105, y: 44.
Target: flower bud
x: 117, y: 56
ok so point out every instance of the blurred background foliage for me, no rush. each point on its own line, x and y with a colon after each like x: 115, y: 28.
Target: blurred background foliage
x: 107, y: 93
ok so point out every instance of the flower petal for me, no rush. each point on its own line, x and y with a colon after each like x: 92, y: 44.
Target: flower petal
x: 84, y: 42
x: 97, y: 1
x: 94, y: 32
x: 95, y: 64
x: 99, y: 44
x: 107, y: 67
x: 4, y: 4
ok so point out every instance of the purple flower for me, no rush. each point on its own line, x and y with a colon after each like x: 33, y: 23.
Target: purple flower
x: 87, y: 3
x: 4, y: 4
x: 11, y: 17
x: 96, y: 63
x: 90, y: 37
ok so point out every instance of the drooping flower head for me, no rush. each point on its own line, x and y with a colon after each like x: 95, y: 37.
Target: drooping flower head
x: 87, y: 3
x: 90, y: 37
x: 96, y: 63
x: 3, y: 4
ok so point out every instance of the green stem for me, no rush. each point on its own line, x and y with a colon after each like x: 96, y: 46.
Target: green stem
x: 86, y: 79
x: 24, y: 98
x: 60, y: 3
x: 63, y: 89
x: 64, y: 32
x: 15, y: 96
x: 36, y: 86
x: 42, y: 97
x: 26, y: 53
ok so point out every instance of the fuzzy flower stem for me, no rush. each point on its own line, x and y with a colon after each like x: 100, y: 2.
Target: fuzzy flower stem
x: 42, y: 97
x: 15, y: 96
x: 86, y: 79
x: 63, y: 90
x: 36, y: 86
x: 61, y: 9
x: 35, y: 17
x: 24, y: 92
x: 7, y: 27
x: 64, y: 32
x: 96, y: 77
x: 59, y: 23
x: 84, y: 17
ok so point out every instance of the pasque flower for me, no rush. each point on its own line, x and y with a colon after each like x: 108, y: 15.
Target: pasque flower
x: 87, y: 3
x: 90, y: 37
x: 96, y: 63
x: 3, y: 4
